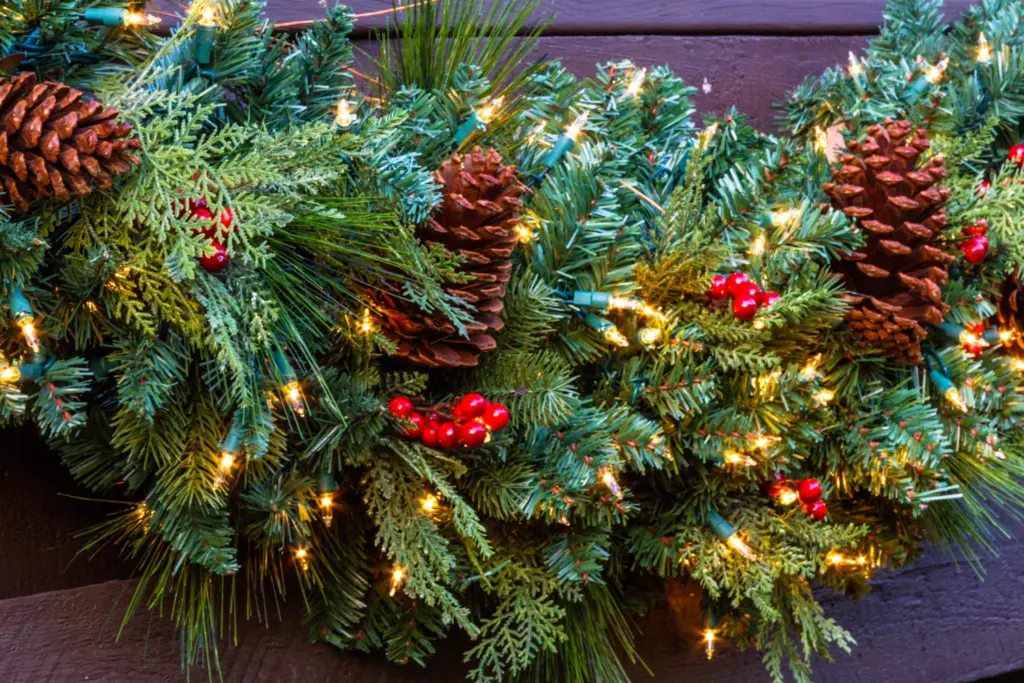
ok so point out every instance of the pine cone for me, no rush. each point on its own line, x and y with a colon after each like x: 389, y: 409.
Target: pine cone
x: 1010, y: 313
x: 53, y: 143
x: 477, y: 219
x: 896, y: 279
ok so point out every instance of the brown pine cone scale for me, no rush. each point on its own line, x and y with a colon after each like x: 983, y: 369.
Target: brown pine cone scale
x: 477, y: 220
x: 52, y: 143
x: 895, y: 281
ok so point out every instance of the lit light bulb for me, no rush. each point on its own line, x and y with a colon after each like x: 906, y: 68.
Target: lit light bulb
x: 227, y: 461
x: 758, y: 245
x: 327, y: 507
x: 758, y: 325
x: 397, y: 578
x: 968, y: 338
x: 762, y: 442
x: 366, y: 325
x: 954, y: 397
x: 856, y: 68
x: 824, y: 396
x: 293, y: 394
x: 636, y: 82
x: 630, y: 304
x: 608, y: 478
x: 302, y: 555
x: 735, y: 458
x: 574, y: 129
x: 429, y: 503
x: 28, y: 330
x: 984, y: 50
x: 836, y: 559
x: 487, y: 112
x: 709, y: 643
x: 1018, y: 364
x: 650, y: 335
x: 345, y: 116
x: 9, y: 374
x: 933, y: 74
x: 787, y: 496
x: 810, y: 369
x: 784, y: 217
x: 208, y: 17
x: 737, y: 544
x: 613, y: 335
x: 524, y: 233
x: 820, y: 140
x: 1005, y: 336
x: 140, y: 19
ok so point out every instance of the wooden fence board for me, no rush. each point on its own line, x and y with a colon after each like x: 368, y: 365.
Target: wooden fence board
x: 679, y: 17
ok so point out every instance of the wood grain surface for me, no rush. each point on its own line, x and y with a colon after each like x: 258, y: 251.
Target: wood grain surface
x: 677, y: 17
x: 935, y: 623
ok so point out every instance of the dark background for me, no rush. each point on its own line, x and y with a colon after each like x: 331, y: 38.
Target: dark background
x: 936, y: 622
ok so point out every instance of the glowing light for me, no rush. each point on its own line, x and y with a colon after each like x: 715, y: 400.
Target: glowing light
x: 810, y: 370
x: 366, y: 325
x: 954, y: 397
x: 227, y: 461
x: 613, y: 335
x: 787, y: 496
x: 636, y: 82
x: 626, y: 303
x: 397, y: 578
x: 709, y: 643
x: 293, y: 394
x: 524, y: 233
x: 820, y: 140
x: 707, y: 134
x: 28, y: 330
x: 758, y: 325
x: 984, y: 50
x: 785, y: 217
x: 968, y: 338
x: 487, y: 112
x: 1006, y: 336
x: 837, y: 559
x: 933, y: 74
x: 762, y: 442
x: 1017, y: 364
x: 327, y: 507
x: 429, y: 503
x: 758, y: 245
x: 768, y: 382
x: 737, y: 544
x: 208, y: 17
x: 735, y: 458
x: 856, y: 68
x: 9, y: 374
x: 302, y: 555
x: 824, y: 396
x: 608, y: 478
x: 576, y: 126
x: 91, y: 305
x: 345, y: 116
x: 140, y: 19
x: 650, y: 335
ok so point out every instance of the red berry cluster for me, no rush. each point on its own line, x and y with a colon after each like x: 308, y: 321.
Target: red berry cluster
x: 473, y: 419
x: 808, y: 491
x: 747, y: 297
x: 975, y: 247
x: 198, y: 210
x: 1016, y: 154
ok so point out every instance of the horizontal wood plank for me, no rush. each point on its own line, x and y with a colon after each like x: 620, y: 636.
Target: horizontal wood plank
x: 678, y: 17
x: 934, y: 623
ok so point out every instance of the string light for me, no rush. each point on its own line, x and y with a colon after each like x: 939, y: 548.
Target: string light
x: 302, y: 555
x: 735, y: 458
x: 636, y: 82
x: 28, y: 330
x: 787, y: 496
x: 9, y: 374
x: 758, y: 245
x: 729, y: 534
x: 810, y: 370
x: 785, y: 217
x: 429, y: 503
x: 397, y: 579
x: 837, y: 559
x: 366, y: 325
x: 206, y: 34
x: 758, y: 325
x: 293, y: 394
x: 984, y: 50
x: 1005, y: 336
x: 1017, y: 364
x: 650, y: 335
x: 631, y: 304
x: 565, y: 141
x: 608, y: 478
x: 487, y: 112
x: 738, y: 545
x: 140, y: 19
x: 820, y: 139
x: 574, y: 129
x: 536, y: 133
x: 709, y: 643
x: 613, y: 335
x: 952, y: 395
x: 227, y: 461
x: 856, y: 68
x: 823, y: 396
x: 345, y: 116
x: 933, y: 74
x: 327, y: 507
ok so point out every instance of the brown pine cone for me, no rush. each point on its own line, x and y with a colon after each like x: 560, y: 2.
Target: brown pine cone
x: 895, y: 280
x: 1010, y: 313
x: 52, y: 143
x: 477, y: 219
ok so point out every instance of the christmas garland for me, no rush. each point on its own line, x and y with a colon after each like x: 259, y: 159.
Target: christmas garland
x: 477, y: 345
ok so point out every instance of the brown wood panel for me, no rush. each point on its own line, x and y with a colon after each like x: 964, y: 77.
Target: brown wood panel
x: 681, y: 17
x: 935, y: 623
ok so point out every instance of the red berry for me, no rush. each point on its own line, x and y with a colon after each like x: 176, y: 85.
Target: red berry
x: 473, y: 434
x: 201, y: 215
x: 1016, y: 154
x: 983, y: 187
x: 218, y: 260
x: 448, y: 435
x: 413, y: 425
x: 768, y: 298
x: 747, y: 290
x: 810, y: 490
x: 975, y: 249
x: 227, y: 217
x: 818, y: 510
x: 472, y: 405
x: 457, y: 415
x: 718, y: 289
x: 496, y: 417
x: 734, y: 281
x: 744, y: 308
x: 196, y: 204
x: 429, y: 437
x: 980, y: 227
x: 433, y: 419
x: 400, y: 406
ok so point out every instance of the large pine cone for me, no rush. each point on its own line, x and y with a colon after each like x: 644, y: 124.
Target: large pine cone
x: 477, y: 219
x: 1010, y: 313
x: 53, y: 143
x: 896, y: 279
